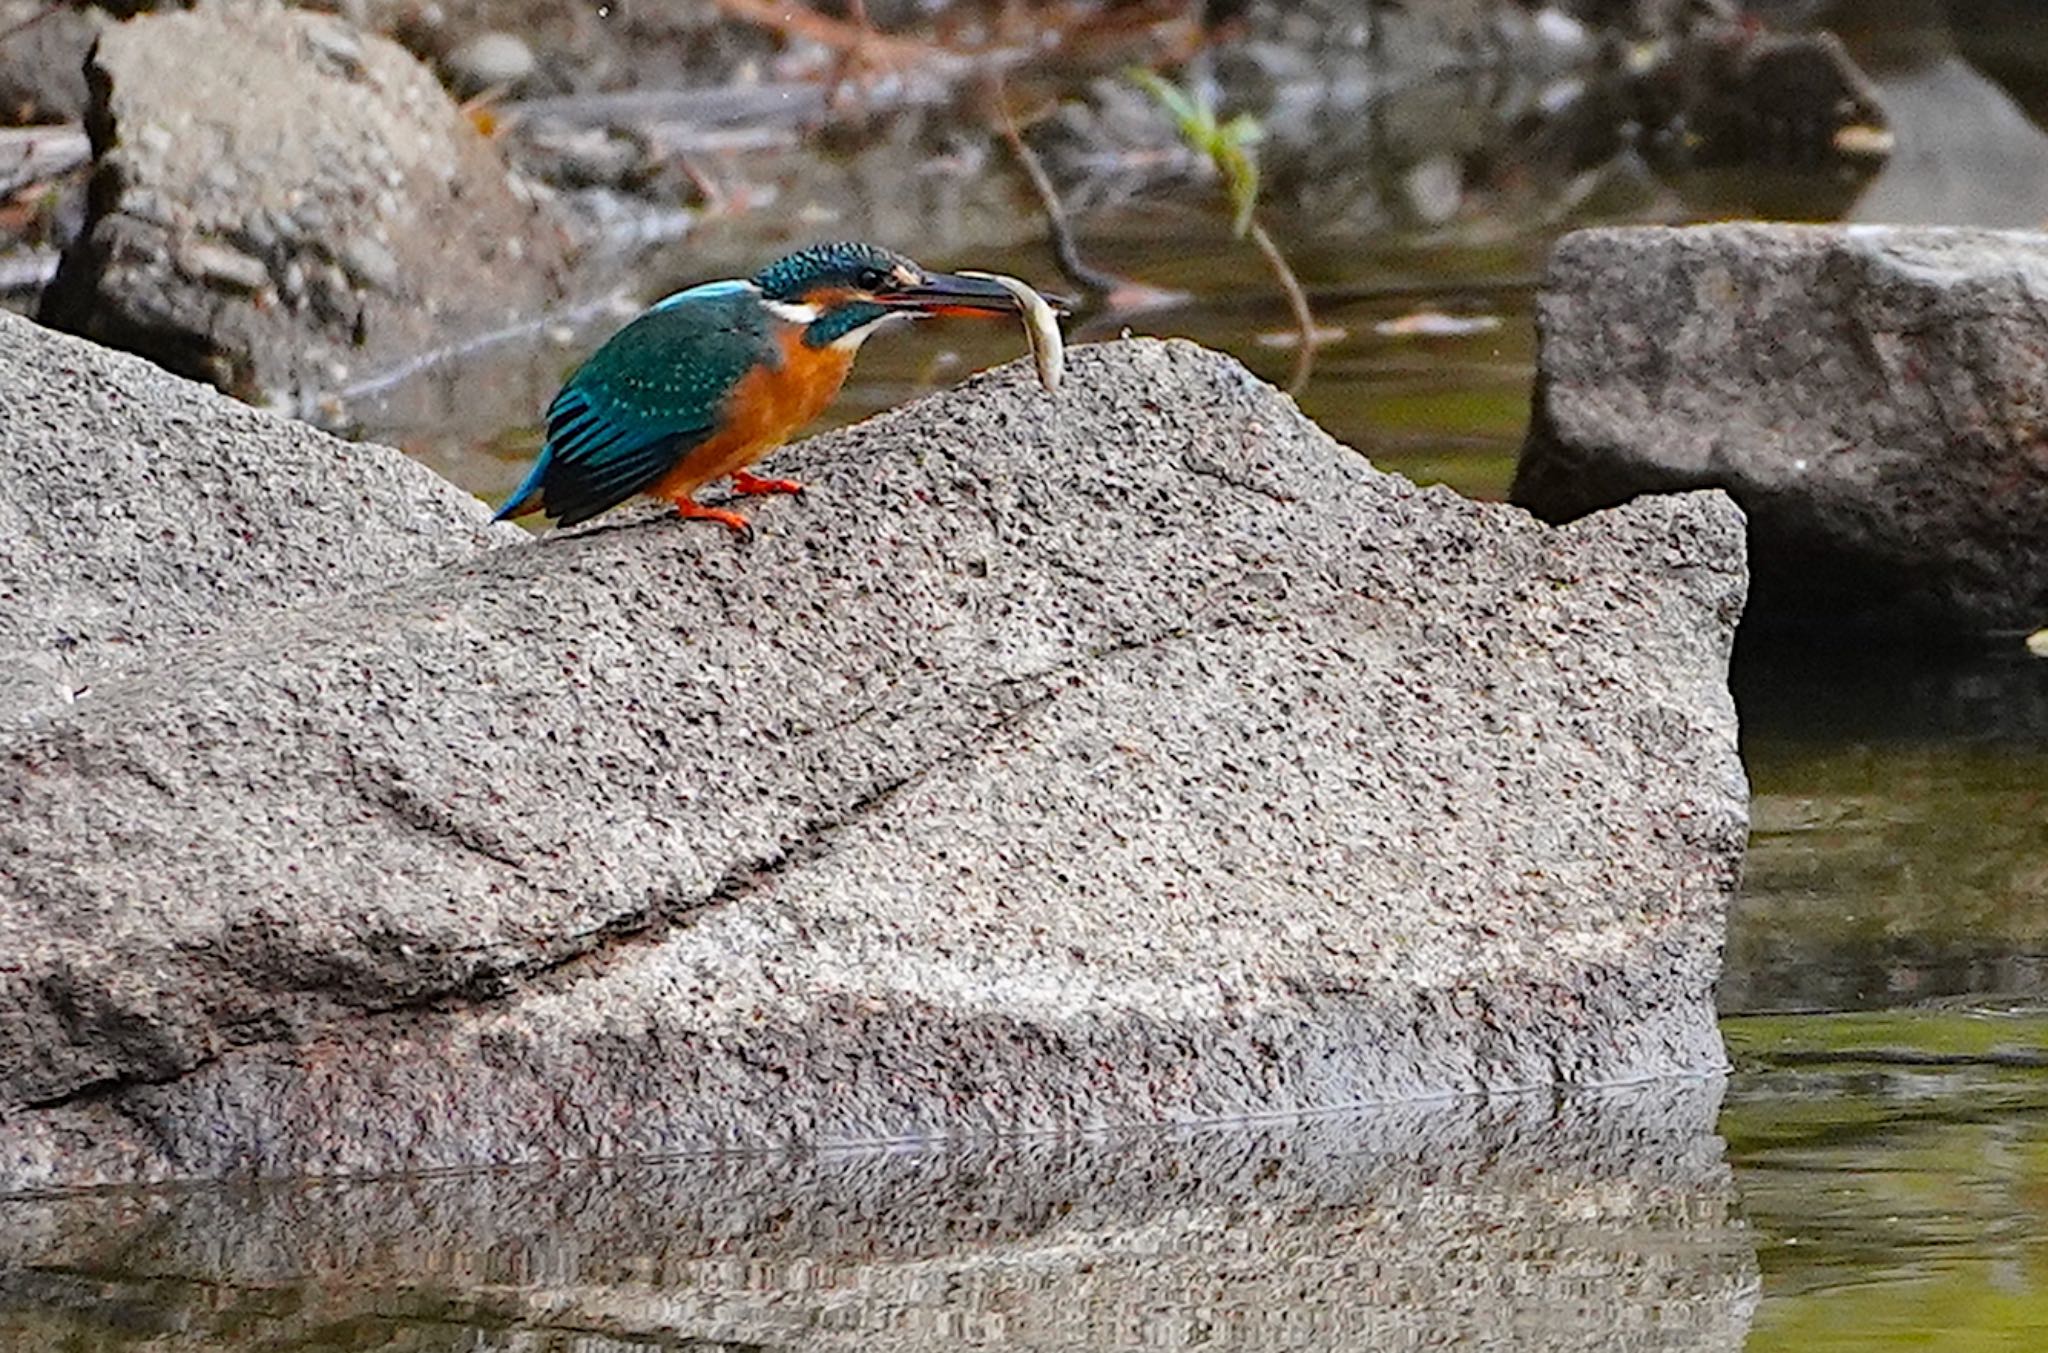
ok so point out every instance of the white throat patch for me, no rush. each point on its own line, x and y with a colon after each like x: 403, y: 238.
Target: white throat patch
x: 792, y: 312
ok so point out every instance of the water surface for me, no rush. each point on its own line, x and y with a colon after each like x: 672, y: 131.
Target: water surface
x: 1534, y: 1222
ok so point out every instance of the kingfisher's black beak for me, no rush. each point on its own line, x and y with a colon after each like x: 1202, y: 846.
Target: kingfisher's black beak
x: 941, y: 293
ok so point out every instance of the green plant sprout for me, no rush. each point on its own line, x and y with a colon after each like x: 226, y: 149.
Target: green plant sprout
x: 1229, y: 146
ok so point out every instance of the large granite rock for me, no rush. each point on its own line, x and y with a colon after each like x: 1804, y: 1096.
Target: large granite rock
x: 1140, y: 755
x: 1873, y: 398
x: 1526, y: 1223
x: 282, y: 204
x: 141, y: 511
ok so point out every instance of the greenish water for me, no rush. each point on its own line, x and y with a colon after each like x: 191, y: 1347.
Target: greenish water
x: 1899, y: 830
x: 1895, y: 1209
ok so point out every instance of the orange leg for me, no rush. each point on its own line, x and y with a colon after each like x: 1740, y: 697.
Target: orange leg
x: 742, y: 482
x: 687, y: 506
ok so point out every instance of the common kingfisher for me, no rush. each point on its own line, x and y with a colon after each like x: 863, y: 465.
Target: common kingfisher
x: 709, y: 380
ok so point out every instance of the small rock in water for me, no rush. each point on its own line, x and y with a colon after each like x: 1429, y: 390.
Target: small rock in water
x: 1436, y: 324
x: 584, y: 157
x: 1864, y: 141
x: 335, y: 47
x: 370, y: 263
x: 1565, y: 36
x: 489, y: 61
x: 219, y: 265
x: 1436, y: 189
x: 1291, y: 338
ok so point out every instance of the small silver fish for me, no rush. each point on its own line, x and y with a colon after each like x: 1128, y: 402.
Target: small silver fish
x: 1041, y: 328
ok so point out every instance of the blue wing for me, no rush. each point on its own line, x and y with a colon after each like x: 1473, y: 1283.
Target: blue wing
x: 596, y: 456
x: 655, y: 389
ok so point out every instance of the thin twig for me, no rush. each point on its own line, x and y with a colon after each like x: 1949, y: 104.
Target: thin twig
x: 1065, y: 252
x: 1118, y: 294
x: 1229, y: 147
x: 1297, y: 301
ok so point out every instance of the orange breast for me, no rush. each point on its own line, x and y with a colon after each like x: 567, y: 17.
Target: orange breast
x: 765, y: 408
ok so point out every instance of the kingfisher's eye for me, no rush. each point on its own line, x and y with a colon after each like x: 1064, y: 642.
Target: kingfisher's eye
x: 873, y: 279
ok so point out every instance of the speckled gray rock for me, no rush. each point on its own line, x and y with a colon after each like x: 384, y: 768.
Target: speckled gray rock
x: 283, y: 204
x: 42, y: 61
x: 492, y: 60
x: 138, y: 510
x: 1874, y: 398
x: 1138, y: 756
x: 1527, y: 1223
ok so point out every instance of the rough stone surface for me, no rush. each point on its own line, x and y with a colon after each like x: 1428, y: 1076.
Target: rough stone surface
x: 1875, y: 399
x: 42, y: 61
x: 1141, y: 755
x: 282, y: 203
x: 141, y: 510
x: 490, y: 60
x: 1528, y: 1223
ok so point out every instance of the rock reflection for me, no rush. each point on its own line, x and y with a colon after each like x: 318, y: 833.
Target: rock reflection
x: 1897, y: 833
x: 1528, y: 1222
x: 1963, y: 84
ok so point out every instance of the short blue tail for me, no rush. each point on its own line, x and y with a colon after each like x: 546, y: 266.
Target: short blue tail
x: 526, y: 497
x: 596, y: 456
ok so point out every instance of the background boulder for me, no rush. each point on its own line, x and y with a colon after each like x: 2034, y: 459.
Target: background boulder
x: 42, y: 61
x: 1875, y: 399
x: 282, y: 203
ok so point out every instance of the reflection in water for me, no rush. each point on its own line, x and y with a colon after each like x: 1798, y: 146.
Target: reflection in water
x: 1899, y: 828
x: 1528, y: 1223
x: 1895, y: 1210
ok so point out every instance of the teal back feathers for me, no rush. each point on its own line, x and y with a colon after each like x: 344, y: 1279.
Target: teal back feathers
x: 640, y: 402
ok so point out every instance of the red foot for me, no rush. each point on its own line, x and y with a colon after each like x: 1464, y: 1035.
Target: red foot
x: 690, y: 507
x: 746, y: 483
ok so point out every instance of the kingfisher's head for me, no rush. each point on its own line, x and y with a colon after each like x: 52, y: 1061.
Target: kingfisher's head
x: 843, y: 292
